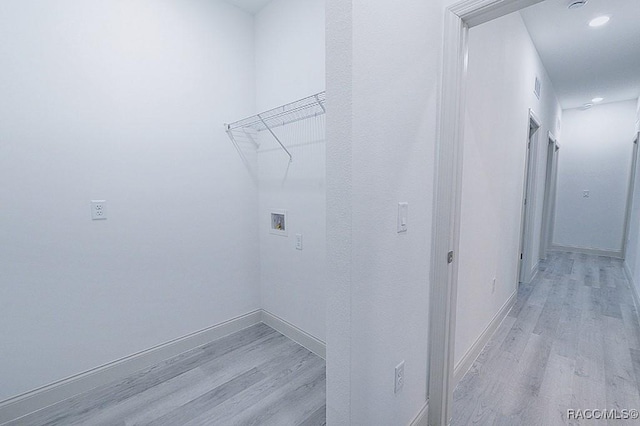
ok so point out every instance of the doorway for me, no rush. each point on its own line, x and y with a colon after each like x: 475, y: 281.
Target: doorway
x: 524, y: 265
x: 632, y: 177
x: 548, y: 206
x: 459, y: 18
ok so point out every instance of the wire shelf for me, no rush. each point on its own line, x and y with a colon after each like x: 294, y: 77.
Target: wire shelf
x: 309, y: 107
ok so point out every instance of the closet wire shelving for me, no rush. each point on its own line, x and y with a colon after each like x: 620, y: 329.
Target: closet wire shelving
x: 302, y: 109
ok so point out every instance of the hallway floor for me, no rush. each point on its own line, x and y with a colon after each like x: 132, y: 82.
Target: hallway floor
x: 571, y: 342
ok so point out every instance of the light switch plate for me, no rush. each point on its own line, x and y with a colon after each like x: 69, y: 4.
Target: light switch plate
x: 403, y: 217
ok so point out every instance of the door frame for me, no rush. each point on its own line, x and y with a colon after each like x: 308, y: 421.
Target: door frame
x: 528, y: 207
x: 632, y: 181
x: 458, y: 19
x: 549, y: 203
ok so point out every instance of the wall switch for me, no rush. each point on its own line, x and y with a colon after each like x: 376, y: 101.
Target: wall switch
x: 98, y: 209
x: 585, y: 194
x: 403, y: 216
x: 298, y: 241
x: 399, y: 382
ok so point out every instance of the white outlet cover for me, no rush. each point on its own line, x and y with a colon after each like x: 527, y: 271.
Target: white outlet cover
x: 98, y: 210
x: 298, y: 241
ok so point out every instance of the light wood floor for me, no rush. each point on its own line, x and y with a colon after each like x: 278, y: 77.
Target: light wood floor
x: 572, y: 341
x: 253, y: 377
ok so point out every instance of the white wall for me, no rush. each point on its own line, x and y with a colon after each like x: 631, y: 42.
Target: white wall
x: 122, y: 101
x: 383, y: 67
x: 595, y: 155
x: 290, y: 51
x: 290, y: 64
x: 503, y: 65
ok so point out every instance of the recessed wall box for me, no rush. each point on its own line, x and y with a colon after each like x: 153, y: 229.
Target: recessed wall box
x: 278, y: 222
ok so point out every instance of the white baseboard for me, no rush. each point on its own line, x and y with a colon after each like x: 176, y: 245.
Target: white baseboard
x: 533, y: 272
x: 422, y: 419
x: 294, y: 333
x: 18, y: 406
x: 588, y: 250
x: 634, y: 289
x: 467, y: 360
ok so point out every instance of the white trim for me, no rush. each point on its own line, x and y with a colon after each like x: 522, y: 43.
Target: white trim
x: 294, y: 333
x: 476, y: 12
x: 630, y: 191
x: 548, y: 201
x: 446, y: 207
x: 21, y: 405
x: 587, y: 250
x: 531, y: 275
x: 528, y: 197
x: 421, y: 419
x: 468, y: 358
x: 536, y: 120
x: 634, y: 290
x: 442, y: 300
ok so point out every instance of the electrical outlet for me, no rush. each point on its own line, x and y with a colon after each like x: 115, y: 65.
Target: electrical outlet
x: 399, y: 380
x: 298, y: 241
x: 98, y: 209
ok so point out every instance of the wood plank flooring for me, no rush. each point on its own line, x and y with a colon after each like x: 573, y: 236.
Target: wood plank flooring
x: 254, y: 377
x: 571, y: 341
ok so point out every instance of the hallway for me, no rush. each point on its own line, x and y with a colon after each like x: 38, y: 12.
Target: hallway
x: 571, y: 341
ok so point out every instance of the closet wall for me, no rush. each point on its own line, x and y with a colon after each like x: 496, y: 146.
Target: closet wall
x: 290, y: 55
x: 122, y: 101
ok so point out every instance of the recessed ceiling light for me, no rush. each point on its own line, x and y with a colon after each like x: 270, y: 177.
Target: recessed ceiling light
x: 575, y: 4
x: 597, y: 99
x: 599, y: 21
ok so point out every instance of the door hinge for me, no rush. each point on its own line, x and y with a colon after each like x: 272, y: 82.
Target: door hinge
x: 520, y: 256
x: 450, y: 257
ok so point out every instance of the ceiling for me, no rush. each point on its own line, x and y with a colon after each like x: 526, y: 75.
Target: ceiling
x: 251, y: 6
x: 585, y: 62
x: 582, y: 62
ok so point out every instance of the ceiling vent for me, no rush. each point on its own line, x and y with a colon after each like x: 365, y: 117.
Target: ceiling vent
x: 575, y: 4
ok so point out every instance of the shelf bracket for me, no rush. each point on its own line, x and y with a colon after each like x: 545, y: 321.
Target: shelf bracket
x: 320, y: 103
x: 275, y: 137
